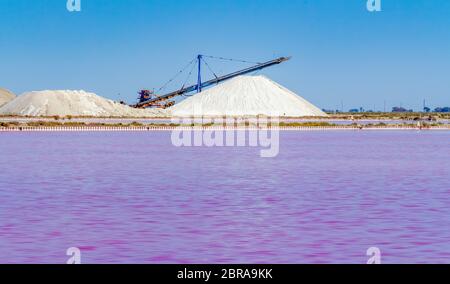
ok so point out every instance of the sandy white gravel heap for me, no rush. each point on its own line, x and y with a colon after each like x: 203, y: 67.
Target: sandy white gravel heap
x: 72, y: 103
x: 246, y: 96
x: 5, y: 96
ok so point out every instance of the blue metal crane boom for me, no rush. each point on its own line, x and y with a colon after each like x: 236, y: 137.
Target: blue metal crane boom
x: 199, y: 86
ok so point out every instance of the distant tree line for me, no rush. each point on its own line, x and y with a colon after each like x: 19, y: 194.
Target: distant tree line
x: 442, y: 109
x: 394, y: 109
x: 425, y: 109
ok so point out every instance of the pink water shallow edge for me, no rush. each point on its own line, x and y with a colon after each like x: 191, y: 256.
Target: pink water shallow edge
x: 135, y: 198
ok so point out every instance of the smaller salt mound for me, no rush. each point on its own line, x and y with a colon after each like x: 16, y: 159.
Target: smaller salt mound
x: 72, y: 103
x: 5, y: 96
x: 246, y: 96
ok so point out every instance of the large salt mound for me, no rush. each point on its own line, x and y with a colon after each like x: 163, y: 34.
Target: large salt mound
x: 71, y: 103
x: 246, y: 96
x: 5, y: 97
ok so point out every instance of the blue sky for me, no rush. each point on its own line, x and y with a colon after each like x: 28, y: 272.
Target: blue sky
x: 341, y: 52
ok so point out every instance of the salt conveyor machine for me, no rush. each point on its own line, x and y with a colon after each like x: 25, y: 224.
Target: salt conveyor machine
x: 148, y: 99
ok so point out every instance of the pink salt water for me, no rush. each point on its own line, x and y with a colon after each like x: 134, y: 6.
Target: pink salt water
x: 134, y: 198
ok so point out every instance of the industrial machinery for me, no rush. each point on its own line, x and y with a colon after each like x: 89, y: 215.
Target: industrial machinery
x: 147, y: 95
x: 148, y: 99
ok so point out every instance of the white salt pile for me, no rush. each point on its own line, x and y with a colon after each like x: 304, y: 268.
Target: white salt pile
x: 5, y: 96
x: 72, y: 103
x: 246, y: 96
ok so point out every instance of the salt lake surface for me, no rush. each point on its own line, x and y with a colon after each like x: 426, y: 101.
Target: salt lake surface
x: 135, y: 198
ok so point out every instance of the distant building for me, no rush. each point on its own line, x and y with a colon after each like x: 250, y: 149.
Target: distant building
x: 401, y: 109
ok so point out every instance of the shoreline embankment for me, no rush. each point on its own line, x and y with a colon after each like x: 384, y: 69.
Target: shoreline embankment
x: 214, y: 128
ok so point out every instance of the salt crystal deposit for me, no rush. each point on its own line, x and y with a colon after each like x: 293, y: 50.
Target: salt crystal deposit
x: 241, y: 96
x: 246, y: 96
x: 72, y: 103
x: 5, y: 96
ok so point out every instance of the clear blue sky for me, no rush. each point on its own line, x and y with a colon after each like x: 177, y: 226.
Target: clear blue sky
x: 341, y: 52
